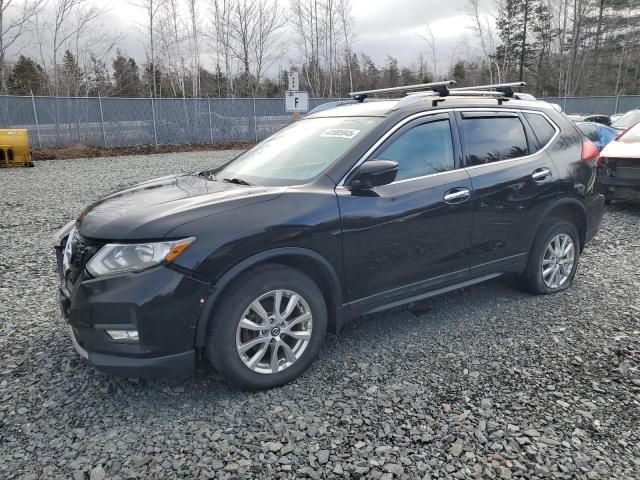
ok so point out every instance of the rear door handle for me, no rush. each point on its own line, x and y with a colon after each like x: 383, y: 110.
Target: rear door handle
x: 541, y: 175
x: 456, y: 196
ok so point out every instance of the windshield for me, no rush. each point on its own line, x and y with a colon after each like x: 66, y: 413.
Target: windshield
x: 632, y: 136
x: 299, y: 152
x: 628, y: 119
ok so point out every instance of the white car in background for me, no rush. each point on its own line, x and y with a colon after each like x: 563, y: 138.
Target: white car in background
x: 620, y: 175
x: 627, y: 120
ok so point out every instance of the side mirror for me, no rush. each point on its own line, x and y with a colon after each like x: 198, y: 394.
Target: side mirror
x: 374, y: 173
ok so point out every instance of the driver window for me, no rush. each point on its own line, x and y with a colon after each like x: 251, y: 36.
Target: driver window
x: 422, y: 150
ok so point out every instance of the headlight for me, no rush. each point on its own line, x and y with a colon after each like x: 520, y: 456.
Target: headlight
x: 134, y: 257
x: 66, y: 255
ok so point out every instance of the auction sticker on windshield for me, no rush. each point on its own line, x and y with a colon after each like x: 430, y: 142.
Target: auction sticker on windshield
x: 340, y: 133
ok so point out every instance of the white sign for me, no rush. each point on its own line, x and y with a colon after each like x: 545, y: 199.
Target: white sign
x: 294, y: 82
x: 296, y: 101
x: 341, y: 133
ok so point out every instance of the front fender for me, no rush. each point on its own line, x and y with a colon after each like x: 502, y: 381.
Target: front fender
x: 263, y: 257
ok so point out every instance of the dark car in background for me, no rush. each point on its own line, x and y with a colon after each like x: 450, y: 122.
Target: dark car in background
x: 351, y: 210
x: 599, y: 134
x: 598, y: 118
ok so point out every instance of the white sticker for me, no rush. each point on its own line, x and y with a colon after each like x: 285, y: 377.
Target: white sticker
x: 340, y: 133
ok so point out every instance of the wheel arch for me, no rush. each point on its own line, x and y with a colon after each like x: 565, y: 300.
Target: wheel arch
x: 309, y: 262
x: 569, y: 209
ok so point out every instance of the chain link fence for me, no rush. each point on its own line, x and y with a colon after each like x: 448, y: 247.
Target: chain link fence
x: 603, y: 105
x: 112, y: 122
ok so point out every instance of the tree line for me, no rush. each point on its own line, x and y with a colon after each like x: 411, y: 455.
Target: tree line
x: 235, y: 48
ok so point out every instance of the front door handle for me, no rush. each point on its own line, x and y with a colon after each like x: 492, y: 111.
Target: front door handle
x: 456, y: 196
x: 541, y: 175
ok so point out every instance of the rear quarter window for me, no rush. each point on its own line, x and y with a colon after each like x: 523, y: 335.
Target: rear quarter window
x: 543, y: 130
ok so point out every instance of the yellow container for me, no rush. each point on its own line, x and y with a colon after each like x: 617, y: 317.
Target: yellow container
x: 14, y: 148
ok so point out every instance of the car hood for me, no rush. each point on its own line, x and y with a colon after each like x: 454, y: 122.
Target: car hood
x: 618, y: 149
x: 152, y: 209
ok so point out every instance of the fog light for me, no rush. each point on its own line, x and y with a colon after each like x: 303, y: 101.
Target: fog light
x: 123, y: 334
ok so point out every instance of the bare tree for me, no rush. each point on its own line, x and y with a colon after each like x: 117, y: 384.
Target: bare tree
x: 430, y: 40
x: 14, y: 22
x: 220, y: 11
x: 254, y: 28
x: 346, y: 23
x: 483, y: 31
x: 319, y: 28
x: 151, y: 9
x: 64, y: 27
x: 194, y: 40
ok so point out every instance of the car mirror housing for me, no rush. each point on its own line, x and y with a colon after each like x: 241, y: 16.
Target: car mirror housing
x: 374, y: 173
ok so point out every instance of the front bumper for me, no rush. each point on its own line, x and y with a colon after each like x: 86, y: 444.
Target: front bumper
x: 162, y: 304
x: 179, y: 365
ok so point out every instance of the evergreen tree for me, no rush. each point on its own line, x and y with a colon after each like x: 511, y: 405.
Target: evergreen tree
x: 126, y: 77
x: 71, y: 75
x: 98, y: 79
x: 147, y: 79
x: 27, y: 77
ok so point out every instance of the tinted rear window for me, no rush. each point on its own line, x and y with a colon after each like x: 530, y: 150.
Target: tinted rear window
x: 543, y: 130
x: 491, y: 139
x: 590, y: 131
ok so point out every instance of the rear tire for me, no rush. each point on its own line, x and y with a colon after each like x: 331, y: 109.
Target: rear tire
x: 247, y: 328
x: 553, y: 260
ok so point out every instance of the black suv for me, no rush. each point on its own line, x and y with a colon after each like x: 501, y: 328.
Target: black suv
x: 354, y: 209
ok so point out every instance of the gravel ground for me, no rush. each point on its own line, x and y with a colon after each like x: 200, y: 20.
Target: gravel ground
x: 486, y: 383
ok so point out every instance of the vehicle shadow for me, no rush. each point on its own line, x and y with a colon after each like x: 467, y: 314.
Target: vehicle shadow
x: 453, y: 311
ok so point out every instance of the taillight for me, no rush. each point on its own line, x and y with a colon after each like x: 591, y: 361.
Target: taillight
x: 589, y: 151
x: 602, y: 161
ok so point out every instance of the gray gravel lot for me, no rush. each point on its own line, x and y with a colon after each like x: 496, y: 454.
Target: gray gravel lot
x: 487, y: 382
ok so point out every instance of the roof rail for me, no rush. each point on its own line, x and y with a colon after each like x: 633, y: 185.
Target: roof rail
x: 505, y: 88
x: 419, y: 96
x: 440, y: 87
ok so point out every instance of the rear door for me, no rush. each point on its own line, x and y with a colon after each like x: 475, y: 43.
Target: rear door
x: 512, y: 175
x: 414, y: 234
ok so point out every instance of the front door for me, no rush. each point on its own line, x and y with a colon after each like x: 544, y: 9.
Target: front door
x: 413, y: 235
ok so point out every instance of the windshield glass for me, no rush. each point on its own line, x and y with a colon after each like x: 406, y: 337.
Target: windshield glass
x: 299, y: 152
x: 628, y: 119
x: 632, y: 136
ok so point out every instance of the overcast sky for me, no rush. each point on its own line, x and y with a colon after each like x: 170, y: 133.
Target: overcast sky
x: 383, y: 27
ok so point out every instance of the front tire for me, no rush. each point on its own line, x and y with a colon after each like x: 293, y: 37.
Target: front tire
x: 553, y: 261
x: 268, y: 329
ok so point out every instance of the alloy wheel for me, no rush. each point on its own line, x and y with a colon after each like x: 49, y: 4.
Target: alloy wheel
x: 274, y: 331
x: 558, y: 261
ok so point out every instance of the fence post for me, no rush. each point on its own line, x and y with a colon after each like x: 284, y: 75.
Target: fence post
x: 255, y: 118
x: 104, y: 133
x: 35, y: 117
x: 617, y: 101
x: 210, y: 121
x: 153, y: 114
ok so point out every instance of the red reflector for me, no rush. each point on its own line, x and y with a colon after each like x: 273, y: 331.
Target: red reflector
x: 589, y: 151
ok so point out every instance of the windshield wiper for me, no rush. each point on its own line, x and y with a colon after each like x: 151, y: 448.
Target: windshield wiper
x: 237, y: 181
